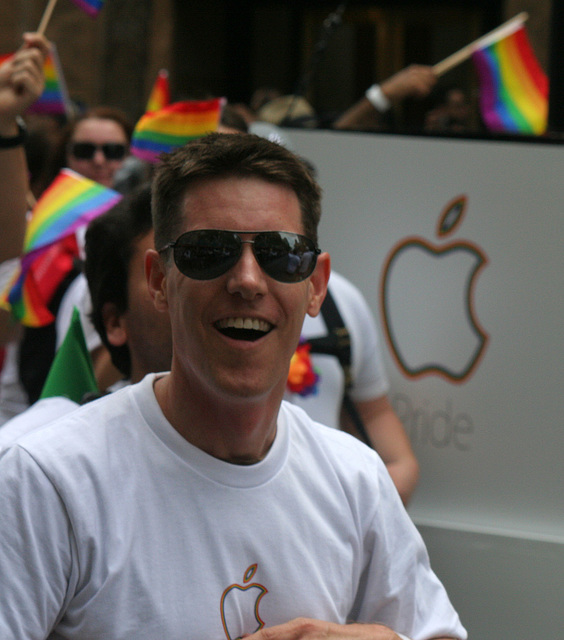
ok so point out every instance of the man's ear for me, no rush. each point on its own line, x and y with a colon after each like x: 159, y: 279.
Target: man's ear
x: 318, y: 283
x: 114, y: 324
x: 155, y: 272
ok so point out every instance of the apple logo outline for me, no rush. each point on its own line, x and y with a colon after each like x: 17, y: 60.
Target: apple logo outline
x: 246, y: 586
x: 449, y: 221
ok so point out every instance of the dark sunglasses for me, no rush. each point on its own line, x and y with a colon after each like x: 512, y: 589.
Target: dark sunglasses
x: 205, y: 254
x: 86, y: 150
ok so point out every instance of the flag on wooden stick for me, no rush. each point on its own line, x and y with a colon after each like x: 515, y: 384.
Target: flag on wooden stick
x: 513, y: 86
x: 54, y: 100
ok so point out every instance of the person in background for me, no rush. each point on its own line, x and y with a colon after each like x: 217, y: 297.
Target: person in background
x: 452, y: 112
x: 94, y: 144
x: 354, y: 397
x: 415, y: 81
x: 149, y: 512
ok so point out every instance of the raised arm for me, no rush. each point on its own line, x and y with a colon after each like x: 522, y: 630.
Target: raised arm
x: 21, y: 83
x: 390, y: 440
x: 415, y: 81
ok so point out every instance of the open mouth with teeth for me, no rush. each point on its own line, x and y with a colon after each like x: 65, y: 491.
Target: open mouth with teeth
x: 243, y: 328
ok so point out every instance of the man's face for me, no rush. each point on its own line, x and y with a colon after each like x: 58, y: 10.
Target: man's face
x: 209, y: 355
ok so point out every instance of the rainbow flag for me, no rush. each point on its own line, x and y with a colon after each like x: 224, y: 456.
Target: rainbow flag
x: 54, y: 100
x: 92, y: 7
x: 36, y: 281
x: 71, y: 201
x: 513, y: 87
x: 164, y: 130
x: 160, y: 93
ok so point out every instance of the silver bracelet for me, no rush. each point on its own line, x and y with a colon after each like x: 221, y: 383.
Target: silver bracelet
x: 377, y: 99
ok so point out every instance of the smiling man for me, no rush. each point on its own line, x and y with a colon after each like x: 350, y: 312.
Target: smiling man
x: 196, y: 503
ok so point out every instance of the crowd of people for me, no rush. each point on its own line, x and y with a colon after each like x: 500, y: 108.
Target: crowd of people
x: 198, y: 476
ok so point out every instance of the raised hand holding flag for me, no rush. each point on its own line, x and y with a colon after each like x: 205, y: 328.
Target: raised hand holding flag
x: 513, y: 86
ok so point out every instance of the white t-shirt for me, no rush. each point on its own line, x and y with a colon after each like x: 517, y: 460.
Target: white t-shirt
x: 369, y: 377
x: 38, y: 414
x: 114, y: 526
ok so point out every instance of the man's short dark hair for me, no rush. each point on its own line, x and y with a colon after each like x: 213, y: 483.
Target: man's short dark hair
x: 221, y: 155
x: 110, y: 245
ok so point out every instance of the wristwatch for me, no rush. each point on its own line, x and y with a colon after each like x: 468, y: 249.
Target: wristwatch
x: 14, y: 141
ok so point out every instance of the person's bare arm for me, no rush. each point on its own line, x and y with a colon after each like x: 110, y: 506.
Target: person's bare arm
x: 390, y: 440
x: 21, y: 83
x: 415, y: 81
x: 304, y: 628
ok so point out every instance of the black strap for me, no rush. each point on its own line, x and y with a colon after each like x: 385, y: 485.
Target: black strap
x: 337, y: 343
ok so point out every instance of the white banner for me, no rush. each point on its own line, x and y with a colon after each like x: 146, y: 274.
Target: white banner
x: 458, y: 246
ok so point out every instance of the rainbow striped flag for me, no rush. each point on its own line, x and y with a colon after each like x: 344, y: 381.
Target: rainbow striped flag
x: 513, y: 86
x: 70, y: 202
x: 92, y: 7
x: 54, y: 100
x: 164, y: 130
x: 160, y: 93
x: 36, y: 281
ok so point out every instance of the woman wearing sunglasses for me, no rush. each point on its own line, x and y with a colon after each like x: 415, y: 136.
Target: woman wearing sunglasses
x: 95, y: 144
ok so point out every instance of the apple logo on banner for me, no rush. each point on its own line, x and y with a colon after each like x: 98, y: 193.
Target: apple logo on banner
x: 239, y: 606
x: 427, y: 302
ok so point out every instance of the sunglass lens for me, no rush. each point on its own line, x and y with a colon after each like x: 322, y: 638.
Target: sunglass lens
x: 113, y: 151
x: 86, y: 150
x: 83, y: 150
x: 206, y: 254
x: 286, y: 257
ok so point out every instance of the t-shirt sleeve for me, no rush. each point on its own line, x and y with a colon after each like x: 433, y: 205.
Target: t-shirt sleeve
x: 36, y: 549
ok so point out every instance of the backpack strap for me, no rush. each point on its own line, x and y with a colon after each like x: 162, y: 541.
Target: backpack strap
x: 337, y: 343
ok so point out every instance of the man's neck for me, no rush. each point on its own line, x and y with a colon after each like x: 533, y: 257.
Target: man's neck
x: 237, y: 430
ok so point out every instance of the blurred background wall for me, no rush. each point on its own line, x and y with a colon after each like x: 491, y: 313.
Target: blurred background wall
x: 232, y: 47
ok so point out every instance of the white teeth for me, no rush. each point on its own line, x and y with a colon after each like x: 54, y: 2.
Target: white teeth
x: 244, y: 323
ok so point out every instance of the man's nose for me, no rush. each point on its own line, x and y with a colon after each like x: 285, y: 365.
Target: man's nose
x: 246, y: 277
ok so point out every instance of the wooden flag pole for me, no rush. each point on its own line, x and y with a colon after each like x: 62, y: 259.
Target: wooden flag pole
x: 46, y: 17
x: 463, y: 54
